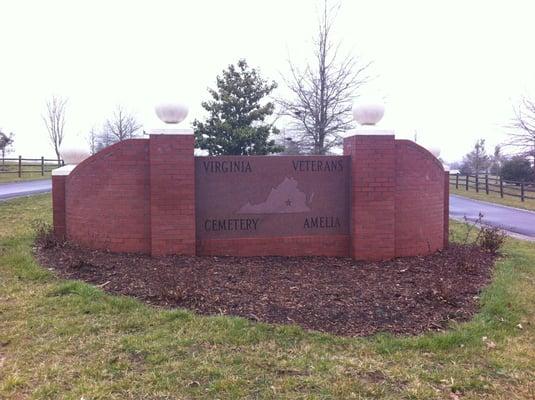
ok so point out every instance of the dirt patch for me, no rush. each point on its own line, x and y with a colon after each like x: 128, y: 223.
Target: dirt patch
x: 338, y: 295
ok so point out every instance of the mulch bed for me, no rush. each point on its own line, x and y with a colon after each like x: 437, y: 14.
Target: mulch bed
x: 337, y: 295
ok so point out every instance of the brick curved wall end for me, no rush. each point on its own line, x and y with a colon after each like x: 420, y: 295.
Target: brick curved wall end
x: 107, y: 199
x: 420, y: 197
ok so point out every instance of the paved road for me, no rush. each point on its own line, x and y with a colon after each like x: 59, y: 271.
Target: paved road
x: 24, y: 188
x: 508, y: 218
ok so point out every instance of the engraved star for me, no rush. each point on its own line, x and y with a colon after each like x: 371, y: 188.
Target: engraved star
x: 288, y: 202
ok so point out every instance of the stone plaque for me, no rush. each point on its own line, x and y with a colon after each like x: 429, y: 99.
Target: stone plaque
x: 253, y: 196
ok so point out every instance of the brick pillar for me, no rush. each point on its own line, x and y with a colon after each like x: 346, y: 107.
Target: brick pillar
x: 58, y: 206
x: 172, y: 194
x: 372, y: 195
x: 446, y: 209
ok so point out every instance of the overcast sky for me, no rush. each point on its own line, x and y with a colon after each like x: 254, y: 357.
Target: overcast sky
x: 449, y: 70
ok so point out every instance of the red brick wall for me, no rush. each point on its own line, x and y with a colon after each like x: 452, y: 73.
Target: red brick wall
x: 372, y: 191
x: 172, y: 194
x: 107, y: 199
x: 328, y: 245
x: 139, y: 196
x: 58, y: 206
x: 420, y: 202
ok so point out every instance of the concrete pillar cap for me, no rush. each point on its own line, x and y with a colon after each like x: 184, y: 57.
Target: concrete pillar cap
x: 435, y: 150
x: 368, y: 112
x: 63, y: 171
x: 170, y: 131
x: 171, y: 112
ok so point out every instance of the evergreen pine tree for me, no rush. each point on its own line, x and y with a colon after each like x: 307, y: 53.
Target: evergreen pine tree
x: 236, y: 124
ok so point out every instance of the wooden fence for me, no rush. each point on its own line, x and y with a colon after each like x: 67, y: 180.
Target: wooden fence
x: 21, y: 165
x: 494, y: 184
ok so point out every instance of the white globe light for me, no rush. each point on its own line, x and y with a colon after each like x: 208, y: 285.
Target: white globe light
x: 435, y: 150
x: 368, y: 113
x: 73, y: 154
x: 171, y: 112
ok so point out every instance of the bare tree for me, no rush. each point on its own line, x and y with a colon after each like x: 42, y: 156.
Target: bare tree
x: 322, y: 93
x: 55, y: 122
x: 93, y: 140
x: 122, y: 125
x: 5, y: 142
x: 522, y: 136
x: 105, y: 139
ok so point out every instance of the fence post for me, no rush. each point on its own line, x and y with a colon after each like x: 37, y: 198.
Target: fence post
x: 522, y: 191
x: 501, y: 187
x: 477, y: 183
x: 20, y: 166
x: 456, y: 181
x: 487, y: 183
x: 42, y: 165
x: 466, y: 182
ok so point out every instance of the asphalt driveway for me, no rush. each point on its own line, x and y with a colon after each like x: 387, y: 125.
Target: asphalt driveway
x: 510, y: 219
x: 24, y: 188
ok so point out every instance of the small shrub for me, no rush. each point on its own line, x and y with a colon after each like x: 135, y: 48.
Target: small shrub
x: 44, y: 234
x: 477, y: 233
x: 470, y: 228
x: 490, y: 238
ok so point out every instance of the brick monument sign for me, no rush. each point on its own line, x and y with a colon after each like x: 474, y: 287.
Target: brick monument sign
x: 383, y: 198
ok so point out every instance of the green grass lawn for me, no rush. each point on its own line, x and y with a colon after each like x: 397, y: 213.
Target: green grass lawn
x: 494, y: 198
x: 69, y: 340
x: 28, y: 173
